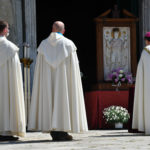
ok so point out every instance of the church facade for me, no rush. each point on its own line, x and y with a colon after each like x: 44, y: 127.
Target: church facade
x: 27, y: 25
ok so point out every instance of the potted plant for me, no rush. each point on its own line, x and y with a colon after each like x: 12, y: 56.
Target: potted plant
x: 116, y: 115
x: 118, y: 76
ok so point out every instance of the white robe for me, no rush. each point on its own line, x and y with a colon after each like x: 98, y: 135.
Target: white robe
x: 57, y: 97
x: 12, y: 112
x: 141, y: 110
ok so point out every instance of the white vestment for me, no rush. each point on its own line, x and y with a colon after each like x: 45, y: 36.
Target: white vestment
x: 141, y: 110
x: 57, y: 97
x: 12, y: 112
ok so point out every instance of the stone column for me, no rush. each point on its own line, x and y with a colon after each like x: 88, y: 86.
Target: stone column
x: 10, y: 11
x: 30, y: 30
x: 144, y: 20
x: 18, y: 34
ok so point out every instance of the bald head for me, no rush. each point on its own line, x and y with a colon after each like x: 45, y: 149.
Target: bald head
x: 58, y: 26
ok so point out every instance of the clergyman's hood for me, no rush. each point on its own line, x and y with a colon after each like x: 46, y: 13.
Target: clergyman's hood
x: 54, y: 38
x: 56, y: 48
x: 7, y: 49
x: 147, y: 48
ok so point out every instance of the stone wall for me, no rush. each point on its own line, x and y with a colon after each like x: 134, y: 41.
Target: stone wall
x: 144, y: 20
x: 11, y: 11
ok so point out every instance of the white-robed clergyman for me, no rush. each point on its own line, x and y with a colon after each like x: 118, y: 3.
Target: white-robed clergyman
x: 141, y: 110
x: 57, y: 104
x: 12, y: 113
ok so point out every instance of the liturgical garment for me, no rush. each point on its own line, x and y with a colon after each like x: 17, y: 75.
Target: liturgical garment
x: 57, y: 102
x: 12, y: 112
x: 141, y: 111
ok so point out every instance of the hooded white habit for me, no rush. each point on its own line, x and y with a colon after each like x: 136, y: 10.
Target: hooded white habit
x: 141, y: 111
x: 57, y: 98
x: 12, y: 113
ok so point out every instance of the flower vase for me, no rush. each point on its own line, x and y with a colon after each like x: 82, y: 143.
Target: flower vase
x: 117, y: 85
x: 118, y: 125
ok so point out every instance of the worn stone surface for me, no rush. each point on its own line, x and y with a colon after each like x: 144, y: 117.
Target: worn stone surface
x: 92, y: 140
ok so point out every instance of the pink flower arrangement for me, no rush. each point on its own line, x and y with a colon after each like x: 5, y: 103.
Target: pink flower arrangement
x: 118, y: 75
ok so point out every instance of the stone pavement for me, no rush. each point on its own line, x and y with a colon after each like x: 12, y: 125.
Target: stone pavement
x: 92, y: 140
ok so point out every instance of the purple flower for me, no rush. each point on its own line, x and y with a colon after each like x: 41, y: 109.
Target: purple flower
x: 130, y: 81
x: 116, y: 80
x: 129, y: 76
x: 123, y: 79
x: 118, y: 75
x: 113, y: 75
x: 110, y: 76
x: 114, y: 70
x: 118, y: 70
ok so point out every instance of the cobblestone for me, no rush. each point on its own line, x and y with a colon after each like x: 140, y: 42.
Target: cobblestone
x: 92, y: 140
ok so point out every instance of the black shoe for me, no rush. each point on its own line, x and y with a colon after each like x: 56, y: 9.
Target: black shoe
x: 8, y: 138
x: 60, y: 136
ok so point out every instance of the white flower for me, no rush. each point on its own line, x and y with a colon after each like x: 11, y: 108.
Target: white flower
x: 121, y: 71
x: 122, y: 108
x: 120, y: 75
x: 117, y: 108
x: 115, y: 114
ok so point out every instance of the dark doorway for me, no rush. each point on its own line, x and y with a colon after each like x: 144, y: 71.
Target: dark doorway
x: 80, y: 27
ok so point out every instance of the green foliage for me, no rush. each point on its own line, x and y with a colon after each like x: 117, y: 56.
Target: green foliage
x: 114, y: 114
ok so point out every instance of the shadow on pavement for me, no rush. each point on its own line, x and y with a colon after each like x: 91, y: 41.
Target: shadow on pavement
x: 118, y: 135
x: 24, y: 142
x: 32, y: 142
